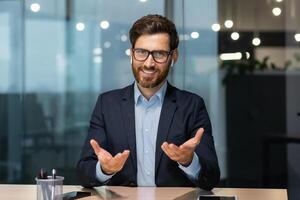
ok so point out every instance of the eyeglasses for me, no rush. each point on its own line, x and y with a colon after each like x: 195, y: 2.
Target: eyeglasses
x: 158, y: 56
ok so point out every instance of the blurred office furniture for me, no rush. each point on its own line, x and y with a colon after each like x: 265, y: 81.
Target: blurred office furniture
x: 258, y: 105
x: 268, y: 143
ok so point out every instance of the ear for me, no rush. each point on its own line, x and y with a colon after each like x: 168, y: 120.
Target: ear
x: 174, y: 57
x: 131, y: 54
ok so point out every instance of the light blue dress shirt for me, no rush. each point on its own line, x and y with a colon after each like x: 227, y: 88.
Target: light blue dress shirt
x: 147, y: 114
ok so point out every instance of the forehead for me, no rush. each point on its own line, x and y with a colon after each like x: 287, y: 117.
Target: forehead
x: 158, y: 41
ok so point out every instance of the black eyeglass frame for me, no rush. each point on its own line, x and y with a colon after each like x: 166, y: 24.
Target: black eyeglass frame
x: 151, y: 52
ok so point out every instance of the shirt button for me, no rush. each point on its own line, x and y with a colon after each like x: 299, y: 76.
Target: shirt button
x: 146, y: 130
x: 147, y: 172
x: 146, y: 151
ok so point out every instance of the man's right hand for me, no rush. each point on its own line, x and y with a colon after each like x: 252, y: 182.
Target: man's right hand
x: 109, y: 164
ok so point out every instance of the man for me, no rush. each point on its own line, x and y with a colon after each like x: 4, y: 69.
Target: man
x: 150, y: 133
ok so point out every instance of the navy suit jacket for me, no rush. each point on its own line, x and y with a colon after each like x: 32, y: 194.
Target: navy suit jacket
x: 112, y: 125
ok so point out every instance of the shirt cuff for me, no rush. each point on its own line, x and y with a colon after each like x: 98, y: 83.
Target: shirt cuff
x: 100, y: 175
x: 193, y: 170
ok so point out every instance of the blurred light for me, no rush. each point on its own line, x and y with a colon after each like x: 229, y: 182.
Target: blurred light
x: 276, y: 11
x: 80, y: 26
x: 247, y: 55
x: 180, y: 37
x: 186, y: 37
x: 256, y: 41
x: 104, y: 24
x: 231, y: 56
x: 297, y: 37
x: 235, y: 35
x: 107, y: 44
x: 143, y: 0
x: 194, y: 35
x: 216, y: 27
x: 97, y: 51
x: 123, y: 38
x: 127, y: 52
x: 35, y: 7
x: 279, y: 0
x: 228, y: 23
x: 97, y: 59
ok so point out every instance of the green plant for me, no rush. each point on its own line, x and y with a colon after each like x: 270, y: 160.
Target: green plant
x: 235, y: 68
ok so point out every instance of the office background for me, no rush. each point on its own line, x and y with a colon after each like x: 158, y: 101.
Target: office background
x: 56, y: 56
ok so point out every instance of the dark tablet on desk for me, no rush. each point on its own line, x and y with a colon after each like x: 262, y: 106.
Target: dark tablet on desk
x: 214, y: 197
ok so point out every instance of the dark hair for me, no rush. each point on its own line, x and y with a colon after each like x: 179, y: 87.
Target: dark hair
x: 152, y: 24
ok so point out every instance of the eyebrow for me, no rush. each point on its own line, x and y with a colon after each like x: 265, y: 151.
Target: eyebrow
x: 154, y: 49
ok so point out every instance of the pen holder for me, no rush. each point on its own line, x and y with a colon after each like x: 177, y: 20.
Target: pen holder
x: 49, y: 189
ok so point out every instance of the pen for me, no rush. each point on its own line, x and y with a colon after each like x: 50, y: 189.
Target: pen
x: 53, y: 185
x: 43, y: 175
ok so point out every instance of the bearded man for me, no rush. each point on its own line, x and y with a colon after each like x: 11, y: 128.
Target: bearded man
x: 150, y: 133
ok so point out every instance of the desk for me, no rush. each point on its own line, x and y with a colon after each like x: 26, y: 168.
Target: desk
x: 24, y: 192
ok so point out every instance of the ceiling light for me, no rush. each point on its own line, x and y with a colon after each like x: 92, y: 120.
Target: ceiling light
x: 235, y: 35
x: 297, y: 37
x: 123, y: 38
x: 216, y: 27
x: 107, y: 44
x: 143, y: 0
x: 35, y: 7
x: 276, y: 11
x: 231, y: 56
x: 97, y: 59
x: 279, y: 0
x: 228, y: 23
x: 256, y: 41
x: 127, y: 52
x: 247, y: 55
x: 104, y: 24
x: 97, y: 51
x: 80, y: 26
x: 194, y: 35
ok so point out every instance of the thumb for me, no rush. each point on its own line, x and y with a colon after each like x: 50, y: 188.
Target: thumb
x: 198, y: 136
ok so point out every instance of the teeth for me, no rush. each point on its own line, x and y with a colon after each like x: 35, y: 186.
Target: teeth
x: 148, y: 71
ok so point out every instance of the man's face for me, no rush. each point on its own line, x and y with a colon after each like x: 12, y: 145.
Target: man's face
x: 148, y: 73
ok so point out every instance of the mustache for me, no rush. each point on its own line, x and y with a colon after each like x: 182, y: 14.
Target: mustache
x: 147, y: 68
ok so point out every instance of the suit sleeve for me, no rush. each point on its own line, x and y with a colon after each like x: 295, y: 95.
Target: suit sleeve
x: 209, y: 175
x: 88, y: 160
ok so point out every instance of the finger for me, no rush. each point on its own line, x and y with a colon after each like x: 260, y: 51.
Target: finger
x: 95, y: 145
x: 100, y: 152
x: 193, y: 142
x: 125, y: 156
x: 198, y: 135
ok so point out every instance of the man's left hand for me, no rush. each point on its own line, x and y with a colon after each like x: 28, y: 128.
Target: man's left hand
x: 185, y: 152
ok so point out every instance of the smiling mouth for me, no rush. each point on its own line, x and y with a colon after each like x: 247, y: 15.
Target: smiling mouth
x: 148, y: 71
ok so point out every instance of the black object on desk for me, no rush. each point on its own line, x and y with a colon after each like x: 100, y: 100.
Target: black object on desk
x: 75, y: 195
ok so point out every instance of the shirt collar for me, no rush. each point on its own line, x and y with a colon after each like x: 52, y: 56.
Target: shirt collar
x: 160, y: 93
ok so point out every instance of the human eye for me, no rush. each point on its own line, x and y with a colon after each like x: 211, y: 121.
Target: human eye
x: 160, y: 54
x: 141, y: 51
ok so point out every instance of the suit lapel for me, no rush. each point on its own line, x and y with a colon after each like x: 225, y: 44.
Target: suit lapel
x: 128, y: 118
x: 166, y: 118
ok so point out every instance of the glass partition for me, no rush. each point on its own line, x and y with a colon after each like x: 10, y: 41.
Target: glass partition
x: 58, y: 55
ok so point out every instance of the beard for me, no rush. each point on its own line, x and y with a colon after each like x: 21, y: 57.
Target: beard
x: 152, y: 80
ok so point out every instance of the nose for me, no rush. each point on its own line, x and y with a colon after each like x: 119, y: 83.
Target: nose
x: 149, y: 61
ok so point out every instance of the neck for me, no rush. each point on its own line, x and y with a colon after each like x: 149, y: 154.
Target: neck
x: 149, y: 92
